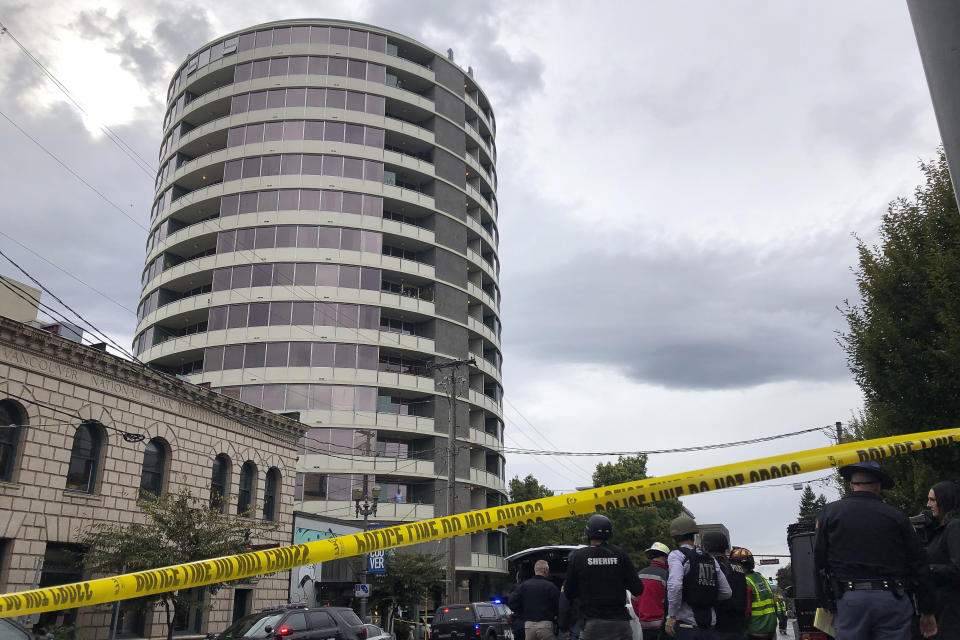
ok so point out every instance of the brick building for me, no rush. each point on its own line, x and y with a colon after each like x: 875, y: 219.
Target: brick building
x: 64, y: 464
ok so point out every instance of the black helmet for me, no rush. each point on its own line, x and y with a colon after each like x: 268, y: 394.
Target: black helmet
x: 715, y: 542
x: 598, y: 528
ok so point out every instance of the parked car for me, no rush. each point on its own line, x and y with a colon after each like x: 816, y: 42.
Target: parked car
x: 297, y: 622
x: 13, y: 630
x: 376, y: 633
x: 484, y: 620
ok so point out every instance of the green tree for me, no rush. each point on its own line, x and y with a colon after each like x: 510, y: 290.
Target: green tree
x: 784, y: 578
x: 177, y: 528
x: 408, y: 577
x: 810, y: 505
x: 635, y: 528
x: 903, y: 338
x: 563, y: 531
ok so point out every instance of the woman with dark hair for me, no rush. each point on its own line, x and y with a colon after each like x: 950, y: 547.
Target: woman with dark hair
x: 943, y: 553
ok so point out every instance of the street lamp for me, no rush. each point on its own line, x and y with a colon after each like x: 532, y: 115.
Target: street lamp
x: 366, y: 505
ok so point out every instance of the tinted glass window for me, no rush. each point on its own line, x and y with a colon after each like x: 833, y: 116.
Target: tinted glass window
x: 251, y: 626
x: 320, y: 619
x: 296, y: 622
x: 486, y: 611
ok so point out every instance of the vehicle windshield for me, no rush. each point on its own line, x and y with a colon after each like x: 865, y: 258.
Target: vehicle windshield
x: 252, y: 626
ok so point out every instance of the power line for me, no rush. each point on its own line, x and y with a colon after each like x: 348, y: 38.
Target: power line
x: 704, y: 447
x: 121, y: 144
x: 82, y: 319
x: 72, y: 172
x: 67, y: 273
x: 545, y: 438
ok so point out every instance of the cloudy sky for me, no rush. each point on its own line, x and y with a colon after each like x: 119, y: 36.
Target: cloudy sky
x: 679, y: 186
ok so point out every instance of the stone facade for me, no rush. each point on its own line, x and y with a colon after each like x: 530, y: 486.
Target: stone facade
x: 55, y: 384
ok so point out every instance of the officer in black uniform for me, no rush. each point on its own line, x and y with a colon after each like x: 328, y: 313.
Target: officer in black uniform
x: 599, y: 576
x: 868, y: 557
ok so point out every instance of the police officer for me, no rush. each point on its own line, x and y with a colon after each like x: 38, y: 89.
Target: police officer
x: 868, y: 555
x: 600, y: 576
x: 692, y: 592
x: 731, y: 613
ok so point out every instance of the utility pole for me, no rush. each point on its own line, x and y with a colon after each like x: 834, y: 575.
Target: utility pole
x: 366, y: 505
x: 451, y: 384
x: 839, y: 427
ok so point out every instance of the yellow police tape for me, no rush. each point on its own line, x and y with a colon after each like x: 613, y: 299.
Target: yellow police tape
x: 641, y: 492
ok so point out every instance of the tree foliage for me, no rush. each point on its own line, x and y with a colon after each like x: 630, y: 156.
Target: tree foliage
x: 177, y: 529
x: 408, y: 577
x: 564, y: 531
x: 784, y: 578
x: 810, y: 505
x: 634, y: 528
x: 903, y: 338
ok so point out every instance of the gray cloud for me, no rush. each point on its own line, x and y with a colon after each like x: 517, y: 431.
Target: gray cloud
x: 690, y: 317
x: 137, y: 54
x: 183, y: 32
x: 508, y: 77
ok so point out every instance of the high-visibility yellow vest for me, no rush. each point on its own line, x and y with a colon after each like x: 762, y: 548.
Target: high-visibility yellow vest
x: 763, y: 612
x: 781, y: 606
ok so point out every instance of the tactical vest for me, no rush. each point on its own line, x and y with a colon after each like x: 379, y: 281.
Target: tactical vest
x: 763, y: 613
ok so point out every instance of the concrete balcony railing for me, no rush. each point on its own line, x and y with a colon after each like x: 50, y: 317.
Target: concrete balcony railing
x: 485, y: 439
x: 415, y: 424
x: 388, y: 511
x: 483, y: 233
x: 484, y: 330
x: 487, y: 479
x: 486, y: 562
x: 345, y: 463
x: 483, y: 296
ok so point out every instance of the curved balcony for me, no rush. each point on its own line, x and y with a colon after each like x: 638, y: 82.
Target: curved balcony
x: 481, y: 262
x: 487, y: 479
x: 479, y: 294
x: 345, y: 463
x: 485, y: 439
x: 324, y: 294
x: 486, y: 367
x: 478, y: 327
x: 480, y: 231
x: 390, y: 511
x: 484, y: 562
x: 486, y: 402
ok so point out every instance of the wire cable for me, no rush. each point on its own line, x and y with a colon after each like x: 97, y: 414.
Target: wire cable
x: 121, y: 144
x: 705, y: 447
x: 72, y: 172
x: 67, y: 273
x: 65, y: 305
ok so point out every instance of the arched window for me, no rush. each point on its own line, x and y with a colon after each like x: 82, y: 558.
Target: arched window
x: 248, y: 476
x: 154, y: 466
x: 84, y: 458
x: 11, y: 419
x: 219, y: 479
x: 270, y: 492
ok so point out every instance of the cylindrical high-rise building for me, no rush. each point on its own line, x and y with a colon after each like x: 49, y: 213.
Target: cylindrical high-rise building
x: 324, y: 229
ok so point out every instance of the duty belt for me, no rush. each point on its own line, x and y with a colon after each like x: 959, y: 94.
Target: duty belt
x: 870, y: 585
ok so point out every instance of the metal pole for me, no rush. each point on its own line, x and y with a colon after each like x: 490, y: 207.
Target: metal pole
x: 366, y: 560
x: 452, y: 486
x: 116, y: 613
x: 451, y: 381
x: 839, y: 427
